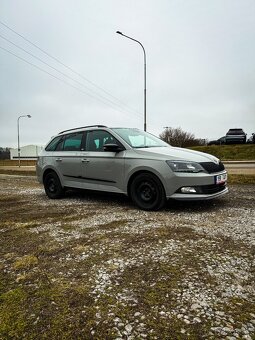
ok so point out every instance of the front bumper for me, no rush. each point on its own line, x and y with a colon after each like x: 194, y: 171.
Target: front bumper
x: 235, y: 139
x: 205, y: 185
x: 198, y: 197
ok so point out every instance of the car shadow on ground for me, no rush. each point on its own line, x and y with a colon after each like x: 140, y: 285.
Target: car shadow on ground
x: 196, y: 206
x: 113, y: 199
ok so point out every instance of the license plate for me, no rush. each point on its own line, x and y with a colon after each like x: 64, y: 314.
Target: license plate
x: 221, y: 178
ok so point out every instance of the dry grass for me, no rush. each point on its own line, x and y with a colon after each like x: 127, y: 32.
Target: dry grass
x: 11, y: 162
x: 241, y: 179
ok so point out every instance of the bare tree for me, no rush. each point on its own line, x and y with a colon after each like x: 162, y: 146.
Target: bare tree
x: 180, y: 138
x: 4, y: 153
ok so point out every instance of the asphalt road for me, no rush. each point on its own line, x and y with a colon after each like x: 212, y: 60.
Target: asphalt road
x: 233, y: 167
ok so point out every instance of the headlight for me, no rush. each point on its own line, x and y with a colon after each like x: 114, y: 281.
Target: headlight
x: 184, y: 166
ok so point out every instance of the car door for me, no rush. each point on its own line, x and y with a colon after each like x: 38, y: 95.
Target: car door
x: 68, y: 159
x: 102, y: 170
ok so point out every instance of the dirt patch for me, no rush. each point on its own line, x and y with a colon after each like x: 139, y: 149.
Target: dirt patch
x: 93, y: 266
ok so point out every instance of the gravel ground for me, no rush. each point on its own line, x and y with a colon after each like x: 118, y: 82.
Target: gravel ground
x: 93, y: 266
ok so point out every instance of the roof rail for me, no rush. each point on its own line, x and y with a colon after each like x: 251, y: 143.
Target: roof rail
x: 83, y: 127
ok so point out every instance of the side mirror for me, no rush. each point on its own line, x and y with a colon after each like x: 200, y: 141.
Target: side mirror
x: 112, y: 147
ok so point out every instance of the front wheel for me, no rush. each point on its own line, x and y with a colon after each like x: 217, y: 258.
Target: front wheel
x: 52, y: 186
x: 147, y: 192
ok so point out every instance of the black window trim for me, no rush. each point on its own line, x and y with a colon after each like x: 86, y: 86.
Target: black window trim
x: 83, y: 140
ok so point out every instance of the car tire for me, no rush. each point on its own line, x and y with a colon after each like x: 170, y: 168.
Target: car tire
x: 52, y: 186
x: 147, y: 192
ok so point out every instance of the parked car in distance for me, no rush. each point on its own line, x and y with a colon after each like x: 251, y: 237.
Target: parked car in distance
x: 251, y: 140
x: 220, y: 141
x: 131, y: 162
x: 235, y: 136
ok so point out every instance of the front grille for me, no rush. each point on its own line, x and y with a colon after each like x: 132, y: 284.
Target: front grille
x: 211, y: 189
x: 211, y: 167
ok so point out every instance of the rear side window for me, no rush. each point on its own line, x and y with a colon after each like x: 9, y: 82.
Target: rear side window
x: 72, y: 142
x: 52, y: 145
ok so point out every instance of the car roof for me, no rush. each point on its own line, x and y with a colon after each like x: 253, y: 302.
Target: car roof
x: 83, y: 127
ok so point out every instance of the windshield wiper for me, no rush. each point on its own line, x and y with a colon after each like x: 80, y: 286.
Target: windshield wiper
x: 148, y: 146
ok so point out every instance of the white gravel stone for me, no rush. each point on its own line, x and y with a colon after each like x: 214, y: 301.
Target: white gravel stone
x: 128, y: 328
x: 137, y: 314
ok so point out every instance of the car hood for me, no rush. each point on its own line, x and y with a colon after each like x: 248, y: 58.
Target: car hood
x: 173, y: 153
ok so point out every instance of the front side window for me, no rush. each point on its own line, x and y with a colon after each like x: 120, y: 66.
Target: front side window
x: 96, y: 140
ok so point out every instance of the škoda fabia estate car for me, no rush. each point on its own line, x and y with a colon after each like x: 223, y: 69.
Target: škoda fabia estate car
x: 131, y: 162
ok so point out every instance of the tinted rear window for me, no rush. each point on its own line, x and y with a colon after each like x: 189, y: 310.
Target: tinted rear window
x: 235, y: 132
x: 73, y: 142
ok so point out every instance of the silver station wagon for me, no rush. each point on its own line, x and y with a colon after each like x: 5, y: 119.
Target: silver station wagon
x: 131, y: 162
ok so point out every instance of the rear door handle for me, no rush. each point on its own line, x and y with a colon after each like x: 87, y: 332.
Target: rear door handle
x: 58, y: 159
x: 84, y: 160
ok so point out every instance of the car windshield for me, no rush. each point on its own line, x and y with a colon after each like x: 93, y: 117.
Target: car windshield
x: 139, y: 139
x: 235, y: 132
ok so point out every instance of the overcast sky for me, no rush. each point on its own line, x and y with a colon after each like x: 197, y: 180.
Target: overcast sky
x: 200, y: 66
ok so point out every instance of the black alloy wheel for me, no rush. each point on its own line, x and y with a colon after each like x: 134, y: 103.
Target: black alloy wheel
x: 52, y: 186
x: 147, y: 192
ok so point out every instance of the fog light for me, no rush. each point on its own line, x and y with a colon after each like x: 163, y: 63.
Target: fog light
x: 188, y: 190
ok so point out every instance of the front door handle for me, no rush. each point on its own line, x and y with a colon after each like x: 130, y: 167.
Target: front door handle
x: 58, y: 159
x: 84, y: 160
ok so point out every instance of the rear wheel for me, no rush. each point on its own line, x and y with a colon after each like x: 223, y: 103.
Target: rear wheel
x: 147, y: 192
x: 52, y: 186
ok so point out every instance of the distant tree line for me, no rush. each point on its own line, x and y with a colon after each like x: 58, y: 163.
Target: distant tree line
x: 4, y: 153
x: 180, y: 138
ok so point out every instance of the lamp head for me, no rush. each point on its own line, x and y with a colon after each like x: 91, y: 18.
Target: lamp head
x: 29, y: 116
x: 119, y: 32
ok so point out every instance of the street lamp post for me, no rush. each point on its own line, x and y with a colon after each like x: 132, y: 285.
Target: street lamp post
x: 145, y: 124
x: 18, y: 135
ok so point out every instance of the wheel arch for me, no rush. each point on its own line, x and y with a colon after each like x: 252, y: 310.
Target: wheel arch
x: 47, y: 171
x: 142, y: 171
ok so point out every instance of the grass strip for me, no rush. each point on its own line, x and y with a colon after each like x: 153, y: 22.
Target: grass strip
x: 241, y: 152
x: 241, y: 179
x: 18, y: 172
